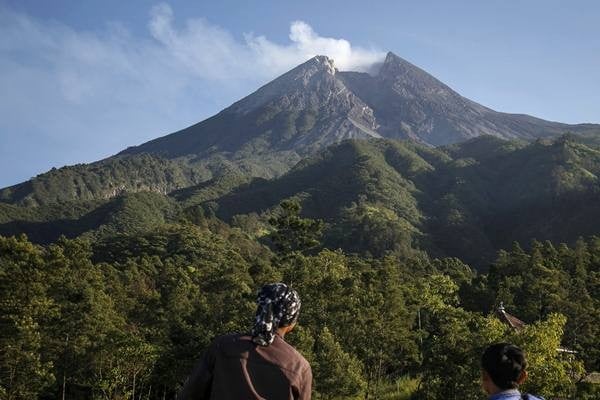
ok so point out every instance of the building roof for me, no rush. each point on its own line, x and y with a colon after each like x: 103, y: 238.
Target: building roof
x: 508, y: 319
x: 516, y: 324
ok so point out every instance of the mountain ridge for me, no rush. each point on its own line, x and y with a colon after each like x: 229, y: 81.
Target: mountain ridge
x: 466, y: 200
x: 409, y: 87
x: 296, y: 115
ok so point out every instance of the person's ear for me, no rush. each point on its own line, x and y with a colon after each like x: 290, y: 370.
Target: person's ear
x: 290, y: 328
x: 486, y: 382
x: 522, y: 377
x: 485, y: 376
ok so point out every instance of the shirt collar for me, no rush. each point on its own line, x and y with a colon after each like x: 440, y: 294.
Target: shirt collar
x: 505, y: 394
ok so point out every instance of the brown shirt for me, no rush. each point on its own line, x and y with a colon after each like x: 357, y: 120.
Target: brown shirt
x: 236, y: 368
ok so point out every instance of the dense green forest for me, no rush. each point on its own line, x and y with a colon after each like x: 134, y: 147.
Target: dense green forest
x: 467, y: 200
x: 125, y: 317
x: 401, y: 253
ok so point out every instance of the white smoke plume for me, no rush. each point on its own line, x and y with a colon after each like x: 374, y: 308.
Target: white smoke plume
x: 213, y: 53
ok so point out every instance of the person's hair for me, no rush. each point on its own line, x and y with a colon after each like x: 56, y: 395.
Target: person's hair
x: 504, y: 363
x: 278, y: 306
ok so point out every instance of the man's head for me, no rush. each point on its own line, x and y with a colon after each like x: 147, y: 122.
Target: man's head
x: 503, y: 367
x: 277, y: 312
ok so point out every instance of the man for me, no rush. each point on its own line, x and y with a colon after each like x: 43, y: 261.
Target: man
x: 256, y: 366
x: 503, y: 370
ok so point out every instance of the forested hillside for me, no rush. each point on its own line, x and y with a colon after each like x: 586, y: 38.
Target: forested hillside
x: 102, y: 180
x: 126, y: 316
x: 401, y: 253
x: 467, y: 200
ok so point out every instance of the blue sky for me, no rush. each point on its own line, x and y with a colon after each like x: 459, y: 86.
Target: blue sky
x: 82, y: 80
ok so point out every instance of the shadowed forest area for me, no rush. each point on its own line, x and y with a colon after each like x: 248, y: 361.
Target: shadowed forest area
x: 125, y: 317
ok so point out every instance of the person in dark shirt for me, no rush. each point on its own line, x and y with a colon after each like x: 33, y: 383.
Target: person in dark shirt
x: 256, y: 366
x: 503, y: 370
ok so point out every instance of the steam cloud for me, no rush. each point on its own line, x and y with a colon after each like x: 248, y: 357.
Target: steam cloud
x: 213, y: 53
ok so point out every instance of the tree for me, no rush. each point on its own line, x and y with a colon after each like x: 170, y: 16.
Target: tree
x: 337, y: 373
x: 24, y: 373
x: 454, y: 341
x: 85, y: 314
x: 292, y: 232
x: 25, y: 370
x: 552, y: 372
x: 452, y: 361
x: 121, y: 365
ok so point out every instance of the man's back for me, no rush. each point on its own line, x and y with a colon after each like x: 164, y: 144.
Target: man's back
x: 234, y: 367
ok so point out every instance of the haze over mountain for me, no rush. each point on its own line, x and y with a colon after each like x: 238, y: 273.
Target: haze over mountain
x: 301, y: 112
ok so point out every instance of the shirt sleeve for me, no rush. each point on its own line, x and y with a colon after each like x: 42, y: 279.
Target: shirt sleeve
x: 305, y: 386
x: 198, y: 384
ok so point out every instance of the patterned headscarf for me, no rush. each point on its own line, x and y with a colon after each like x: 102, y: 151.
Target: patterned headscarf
x: 278, y: 305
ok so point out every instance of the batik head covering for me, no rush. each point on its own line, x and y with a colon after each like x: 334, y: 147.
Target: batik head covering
x: 278, y: 305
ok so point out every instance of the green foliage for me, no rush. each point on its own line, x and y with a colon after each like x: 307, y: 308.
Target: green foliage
x: 560, y: 280
x: 101, y: 180
x: 337, y: 373
x: 24, y: 305
x: 452, y: 369
x: 129, y: 301
x: 376, y: 197
x: 131, y: 313
x: 465, y: 201
x: 373, y: 228
x: 24, y: 373
x: 404, y: 388
x: 293, y: 233
x: 451, y: 366
x: 552, y: 373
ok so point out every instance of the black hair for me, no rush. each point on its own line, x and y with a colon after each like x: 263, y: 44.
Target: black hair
x: 504, y: 363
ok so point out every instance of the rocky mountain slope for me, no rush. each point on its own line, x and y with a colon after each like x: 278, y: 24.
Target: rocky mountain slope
x: 315, y: 105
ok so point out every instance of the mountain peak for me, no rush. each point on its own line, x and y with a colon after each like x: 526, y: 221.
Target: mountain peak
x: 395, y: 65
x: 391, y: 57
x: 321, y: 59
x: 316, y: 65
x: 322, y: 62
x: 314, y: 104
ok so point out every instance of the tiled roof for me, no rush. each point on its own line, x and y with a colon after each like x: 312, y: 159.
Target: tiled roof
x: 508, y: 319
